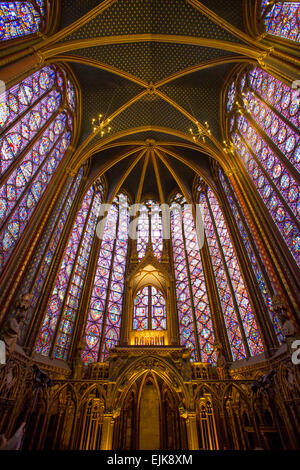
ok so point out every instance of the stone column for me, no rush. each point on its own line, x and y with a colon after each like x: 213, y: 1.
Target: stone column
x: 107, y: 432
x: 192, y: 433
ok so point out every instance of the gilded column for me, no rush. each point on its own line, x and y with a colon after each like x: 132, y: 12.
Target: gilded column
x: 192, y: 432
x: 107, y: 431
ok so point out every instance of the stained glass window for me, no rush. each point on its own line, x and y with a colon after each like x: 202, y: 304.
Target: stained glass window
x: 105, y: 306
x: 149, y: 216
x: 115, y: 299
x: 40, y: 264
x: 253, y: 257
x: 18, y: 19
x: 37, y: 127
x: 143, y: 232
x: 282, y: 19
x: 195, y: 322
x: 149, y: 311
x: 32, y: 100
x: 156, y: 230
x: 265, y: 132
x: 230, y: 96
x: 58, y: 325
x: 244, y: 337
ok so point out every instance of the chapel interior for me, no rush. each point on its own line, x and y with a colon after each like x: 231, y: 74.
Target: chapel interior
x: 120, y: 114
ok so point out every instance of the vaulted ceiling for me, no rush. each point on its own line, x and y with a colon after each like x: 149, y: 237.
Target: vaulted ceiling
x: 153, y: 67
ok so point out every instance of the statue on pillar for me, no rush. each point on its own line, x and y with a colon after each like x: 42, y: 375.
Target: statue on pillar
x: 222, y: 365
x: 77, y: 363
x: 165, y: 252
x: 11, y: 328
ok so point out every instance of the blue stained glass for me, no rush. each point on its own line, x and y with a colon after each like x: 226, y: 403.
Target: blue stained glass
x: 18, y: 19
x: 282, y: 19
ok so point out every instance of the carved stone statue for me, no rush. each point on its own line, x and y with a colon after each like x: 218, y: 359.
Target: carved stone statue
x: 287, y: 326
x: 265, y: 384
x: 182, y: 364
x: 77, y: 363
x: 10, y: 331
x: 222, y: 365
x: 117, y: 365
x: 292, y: 381
x: 277, y: 303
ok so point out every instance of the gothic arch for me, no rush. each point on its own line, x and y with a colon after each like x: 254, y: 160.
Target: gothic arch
x: 144, y: 365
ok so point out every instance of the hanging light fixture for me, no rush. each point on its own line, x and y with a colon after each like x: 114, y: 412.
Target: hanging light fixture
x: 99, y: 124
x: 200, y: 134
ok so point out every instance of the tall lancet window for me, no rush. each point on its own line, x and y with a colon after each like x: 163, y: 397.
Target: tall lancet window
x: 243, y: 334
x: 263, y: 121
x: 149, y: 311
x: 281, y: 19
x: 21, y: 19
x: 252, y: 253
x: 36, y: 123
x: 40, y: 264
x: 149, y: 219
x: 63, y: 306
x: 194, y: 314
x: 103, y: 325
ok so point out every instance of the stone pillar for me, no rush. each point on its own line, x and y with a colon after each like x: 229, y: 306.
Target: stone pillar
x: 171, y: 319
x: 126, y: 325
x: 192, y: 433
x: 107, y: 432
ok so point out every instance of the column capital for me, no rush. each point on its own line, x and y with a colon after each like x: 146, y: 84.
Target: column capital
x: 232, y: 171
